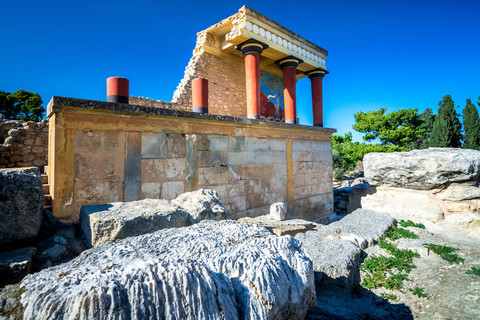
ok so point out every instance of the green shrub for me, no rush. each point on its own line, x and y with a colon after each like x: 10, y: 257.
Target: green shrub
x: 445, y: 252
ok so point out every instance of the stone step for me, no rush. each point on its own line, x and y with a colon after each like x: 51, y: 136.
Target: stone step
x: 46, y: 189
x: 44, y: 178
x: 47, y: 199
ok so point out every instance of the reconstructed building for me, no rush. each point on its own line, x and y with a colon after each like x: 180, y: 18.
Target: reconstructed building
x: 244, y: 140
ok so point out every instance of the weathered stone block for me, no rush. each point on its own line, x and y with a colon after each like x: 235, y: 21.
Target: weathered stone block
x: 175, y: 169
x: 108, y: 222
x: 154, y: 145
x: 203, y: 204
x: 172, y: 189
x: 151, y: 190
x: 21, y: 204
x: 212, y: 158
x: 176, y: 145
x: 154, y: 170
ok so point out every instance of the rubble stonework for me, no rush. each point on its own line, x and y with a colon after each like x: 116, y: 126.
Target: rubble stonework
x: 24, y: 144
x: 226, y: 78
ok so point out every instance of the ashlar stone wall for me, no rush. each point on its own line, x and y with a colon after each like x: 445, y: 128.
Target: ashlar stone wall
x: 116, y: 152
x: 24, y: 144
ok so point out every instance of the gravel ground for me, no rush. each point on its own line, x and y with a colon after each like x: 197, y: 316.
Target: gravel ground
x: 451, y: 294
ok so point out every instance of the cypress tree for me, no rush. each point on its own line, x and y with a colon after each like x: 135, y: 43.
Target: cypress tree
x: 471, y: 124
x: 446, y: 127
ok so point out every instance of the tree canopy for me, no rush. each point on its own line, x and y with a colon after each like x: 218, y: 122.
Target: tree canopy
x: 21, y: 105
x: 446, y: 127
x: 471, y: 124
x: 401, y: 128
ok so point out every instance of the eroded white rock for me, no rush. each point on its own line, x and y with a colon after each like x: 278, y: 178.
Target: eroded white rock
x: 211, y: 270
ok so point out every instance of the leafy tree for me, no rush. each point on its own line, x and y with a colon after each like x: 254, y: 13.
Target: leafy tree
x: 446, y: 127
x: 21, y: 105
x: 347, y: 153
x: 401, y: 128
x: 471, y: 124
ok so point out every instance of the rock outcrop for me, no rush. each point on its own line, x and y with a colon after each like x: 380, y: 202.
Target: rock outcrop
x: 119, y: 220
x: 211, y: 270
x: 422, y: 169
x: 21, y: 204
x: 436, y: 185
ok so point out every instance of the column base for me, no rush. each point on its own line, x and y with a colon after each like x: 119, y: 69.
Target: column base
x: 318, y: 125
x: 291, y: 121
x: 200, y: 110
x: 254, y: 116
x: 117, y: 99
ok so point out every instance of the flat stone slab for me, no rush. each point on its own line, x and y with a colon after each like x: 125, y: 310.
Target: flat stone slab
x: 367, y: 224
x: 282, y: 227
x: 211, y: 270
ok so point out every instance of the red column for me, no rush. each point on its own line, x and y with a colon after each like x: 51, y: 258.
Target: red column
x: 316, y: 78
x: 252, y: 76
x: 200, y: 95
x: 251, y: 49
x: 117, y: 90
x: 289, y: 66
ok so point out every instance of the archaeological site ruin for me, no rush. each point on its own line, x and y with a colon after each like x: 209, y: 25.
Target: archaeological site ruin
x: 231, y: 126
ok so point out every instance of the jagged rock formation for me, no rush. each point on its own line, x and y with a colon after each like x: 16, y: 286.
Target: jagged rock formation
x: 21, y: 204
x: 212, y: 270
x: 435, y: 185
x: 119, y: 220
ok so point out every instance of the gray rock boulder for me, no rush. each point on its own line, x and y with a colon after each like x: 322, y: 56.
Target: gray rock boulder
x: 422, y: 169
x: 21, y: 204
x: 211, y: 270
x: 15, y: 265
x: 119, y: 220
x: 367, y: 224
x: 203, y: 204
x: 335, y: 249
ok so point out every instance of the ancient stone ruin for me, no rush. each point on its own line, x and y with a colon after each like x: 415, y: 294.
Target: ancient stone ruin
x: 243, y: 140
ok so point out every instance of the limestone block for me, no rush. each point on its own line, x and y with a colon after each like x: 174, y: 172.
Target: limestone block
x: 103, y: 141
x: 278, y: 211
x: 154, y: 145
x: 21, y: 204
x: 366, y: 223
x: 455, y: 207
x: 335, y: 262
x: 214, y: 176
x: 172, y: 189
x: 404, y: 204
x: 212, y: 158
x: 176, y: 147
x: 212, y: 270
x: 175, y: 168
x: 422, y: 169
x: 217, y: 143
x: 152, y: 190
x: 118, y: 220
x: 154, y: 170
x: 15, y: 265
x: 460, y: 191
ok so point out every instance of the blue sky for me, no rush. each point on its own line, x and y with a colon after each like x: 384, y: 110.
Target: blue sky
x: 393, y: 54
